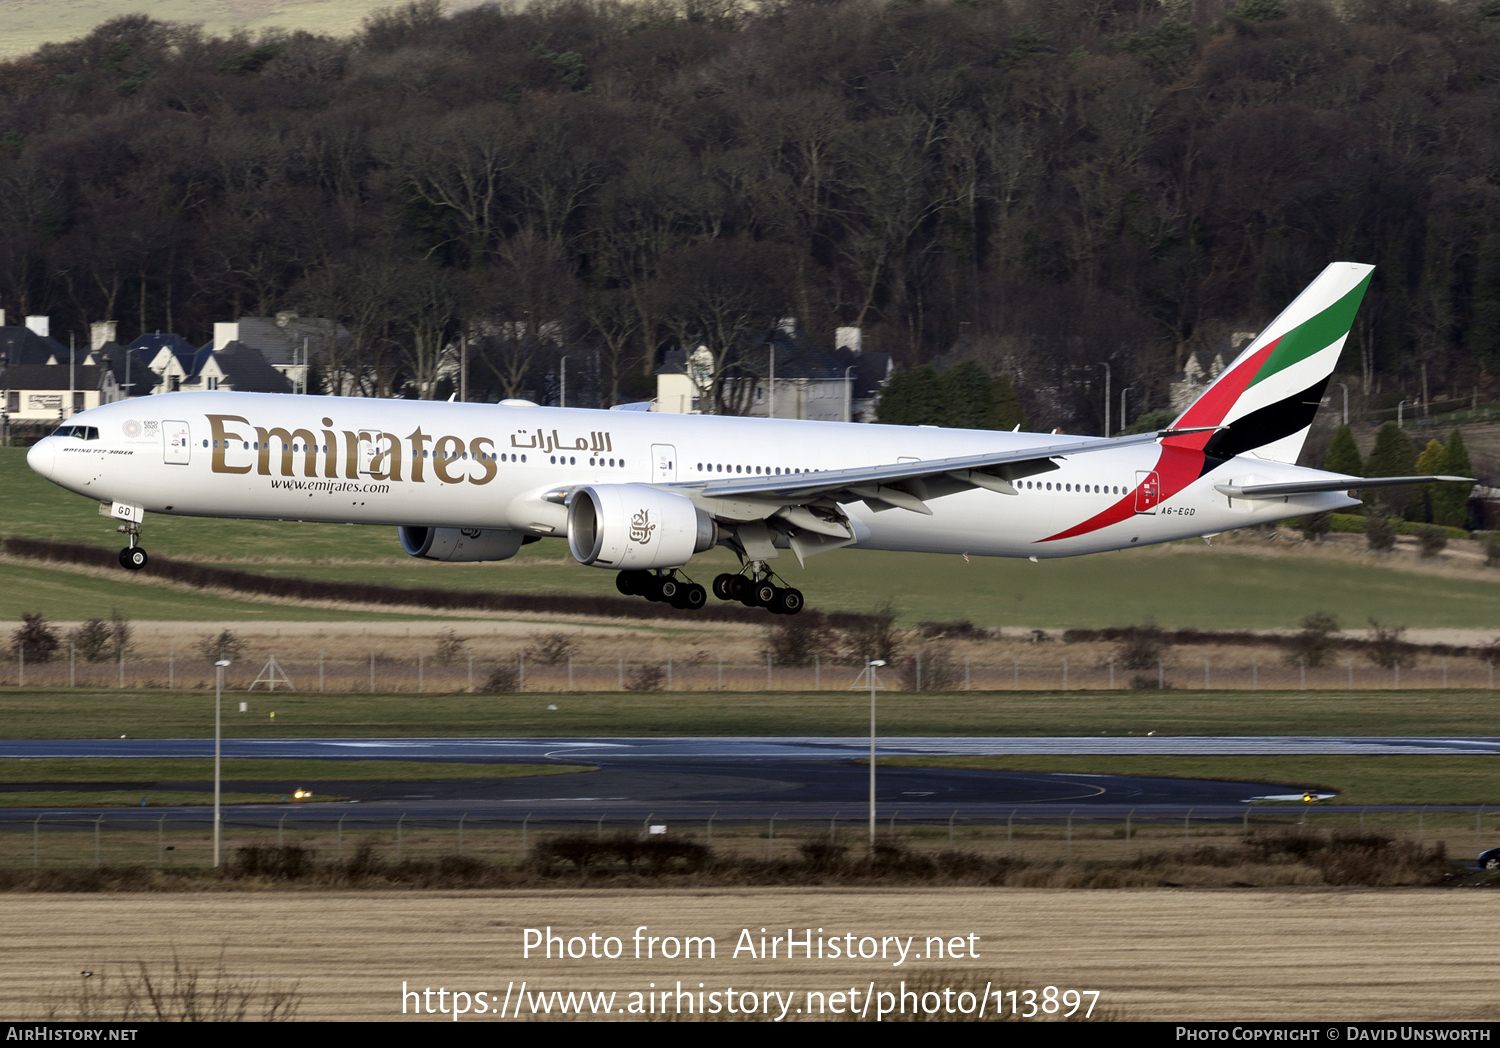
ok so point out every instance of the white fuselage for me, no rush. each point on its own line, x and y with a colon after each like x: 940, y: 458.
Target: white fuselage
x: 435, y: 464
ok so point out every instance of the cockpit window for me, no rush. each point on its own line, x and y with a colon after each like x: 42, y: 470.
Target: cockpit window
x: 81, y: 432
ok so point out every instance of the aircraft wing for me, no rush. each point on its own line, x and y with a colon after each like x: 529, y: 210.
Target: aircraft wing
x: 908, y: 484
x: 1311, y: 487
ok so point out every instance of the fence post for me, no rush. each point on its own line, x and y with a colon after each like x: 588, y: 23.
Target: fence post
x: 768, y: 671
x: 1070, y: 833
x: 1111, y: 674
x: 1015, y: 669
x: 721, y: 673
x: 818, y: 673
x: 919, y: 671
x: 372, y: 673
x: 523, y: 831
x: 1161, y: 675
x: 833, y: 829
x: 122, y: 667
x: 72, y: 658
x: 1245, y: 823
x: 1127, y: 831
x: 461, y: 819
x: 1421, y: 826
x: 950, y: 827
x: 521, y: 675
x: 622, y: 673
x: 669, y: 674
x: 1351, y: 673
x: 1205, y: 674
x: 36, y: 843
x: 280, y: 826
x: 1065, y: 673
x: 320, y: 669
x: 710, y: 827
x: 341, y: 836
x: 771, y: 836
x: 398, y: 835
x: 98, y: 823
x: 1302, y: 666
x: 966, y: 673
x: 171, y: 666
x: 1187, y: 824
x: 599, y: 831
x: 161, y: 844
x: 1010, y: 830
x: 1254, y: 675
x: 570, y: 672
x: 471, y: 672
x: 421, y: 683
x: 21, y: 664
x: 1445, y: 673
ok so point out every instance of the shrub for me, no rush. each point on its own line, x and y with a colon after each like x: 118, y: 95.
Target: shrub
x: 119, y: 635
x: 1141, y: 647
x: 874, y: 637
x: 225, y: 646
x: 796, y: 639
x: 1316, y: 526
x: 501, y: 679
x: 290, y: 863
x: 647, y: 677
x: 962, y: 629
x: 1315, y: 641
x: 450, y: 646
x: 552, y: 649
x: 1431, y: 541
x: 1387, y: 645
x: 932, y: 668
x: 35, y: 638
x: 91, y: 640
x: 1379, y: 535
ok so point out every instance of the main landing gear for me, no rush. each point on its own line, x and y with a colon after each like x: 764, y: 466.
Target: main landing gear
x: 132, y: 557
x: 757, y: 590
x: 665, y: 587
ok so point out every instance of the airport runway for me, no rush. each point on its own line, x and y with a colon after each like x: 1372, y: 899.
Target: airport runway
x: 739, y: 778
x: 738, y: 748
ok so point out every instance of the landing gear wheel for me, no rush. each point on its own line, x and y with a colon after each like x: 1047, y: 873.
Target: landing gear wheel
x: 632, y: 583
x: 762, y: 593
x: 133, y: 558
x: 652, y: 587
x: 787, y: 601
x: 739, y: 589
x: 722, y: 586
x: 669, y: 590
x: 692, y: 598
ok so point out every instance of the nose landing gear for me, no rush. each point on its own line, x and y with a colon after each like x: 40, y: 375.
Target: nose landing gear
x: 132, y: 557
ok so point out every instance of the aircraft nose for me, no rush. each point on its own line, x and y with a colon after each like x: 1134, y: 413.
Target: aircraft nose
x: 42, y: 456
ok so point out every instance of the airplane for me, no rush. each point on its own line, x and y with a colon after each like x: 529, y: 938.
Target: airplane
x: 640, y: 494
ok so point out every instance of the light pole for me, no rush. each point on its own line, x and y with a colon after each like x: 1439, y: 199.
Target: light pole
x: 849, y: 394
x: 562, y: 372
x: 1398, y: 414
x: 1106, y: 398
x: 1346, y: 401
x: 1124, y: 391
x: 870, y: 668
x: 218, y: 724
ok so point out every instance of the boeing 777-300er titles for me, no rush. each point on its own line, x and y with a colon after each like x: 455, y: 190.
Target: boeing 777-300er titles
x: 641, y: 493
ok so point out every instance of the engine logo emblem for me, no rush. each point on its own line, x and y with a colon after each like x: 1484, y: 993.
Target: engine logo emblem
x: 470, y: 533
x: 641, y: 527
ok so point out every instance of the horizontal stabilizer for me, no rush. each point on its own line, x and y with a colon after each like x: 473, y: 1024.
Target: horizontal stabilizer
x: 1313, y: 487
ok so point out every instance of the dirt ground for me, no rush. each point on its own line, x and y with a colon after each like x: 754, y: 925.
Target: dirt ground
x: 1154, y: 955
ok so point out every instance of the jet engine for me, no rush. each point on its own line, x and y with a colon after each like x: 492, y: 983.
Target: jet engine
x: 460, y: 544
x: 634, y: 527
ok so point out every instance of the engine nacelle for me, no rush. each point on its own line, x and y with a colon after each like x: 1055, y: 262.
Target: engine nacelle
x: 460, y: 544
x: 633, y: 526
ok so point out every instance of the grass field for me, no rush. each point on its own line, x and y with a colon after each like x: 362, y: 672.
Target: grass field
x: 84, y: 713
x: 1358, y: 780
x: 1241, y: 584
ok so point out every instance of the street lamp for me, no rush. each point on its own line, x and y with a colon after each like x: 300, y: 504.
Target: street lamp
x: 849, y: 394
x: 218, y: 709
x: 1346, y: 401
x: 1124, y: 391
x: 870, y: 668
x: 562, y: 373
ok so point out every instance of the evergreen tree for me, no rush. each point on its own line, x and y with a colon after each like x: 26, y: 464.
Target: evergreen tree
x: 1343, y: 457
x: 1005, y: 411
x: 913, y: 398
x: 1450, y: 502
x: 1392, y: 456
x: 1428, y: 463
x: 966, y: 391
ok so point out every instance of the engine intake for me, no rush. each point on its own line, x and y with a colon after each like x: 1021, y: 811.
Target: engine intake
x: 460, y: 544
x: 634, y: 527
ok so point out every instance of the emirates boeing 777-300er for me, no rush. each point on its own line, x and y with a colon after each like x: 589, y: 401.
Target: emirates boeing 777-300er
x: 641, y: 493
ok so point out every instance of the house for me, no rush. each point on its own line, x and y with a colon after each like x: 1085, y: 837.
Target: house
x: 809, y: 383
x: 285, y: 341
x: 46, y: 394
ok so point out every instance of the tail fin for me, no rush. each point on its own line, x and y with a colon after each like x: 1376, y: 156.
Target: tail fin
x: 1268, y: 396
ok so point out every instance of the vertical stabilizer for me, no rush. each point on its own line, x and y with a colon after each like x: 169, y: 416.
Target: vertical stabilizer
x: 1268, y: 396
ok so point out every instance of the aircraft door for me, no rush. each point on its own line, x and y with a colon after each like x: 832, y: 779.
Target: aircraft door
x: 1147, y: 491
x: 369, y: 444
x: 663, y: 463
x: 176, y: 441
